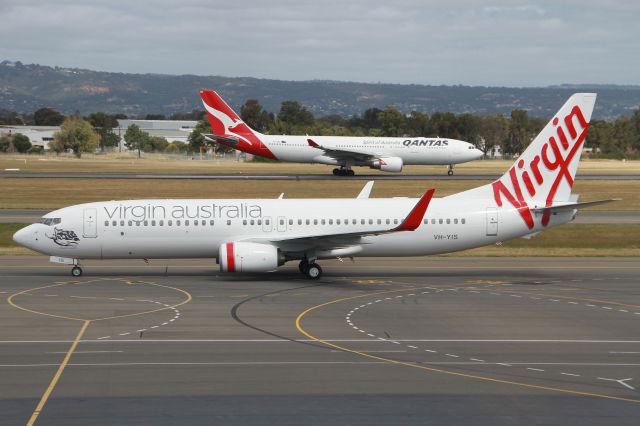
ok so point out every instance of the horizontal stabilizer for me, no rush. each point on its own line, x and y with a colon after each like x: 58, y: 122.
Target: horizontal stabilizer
x: 224, y: 139
x: 572, y: 206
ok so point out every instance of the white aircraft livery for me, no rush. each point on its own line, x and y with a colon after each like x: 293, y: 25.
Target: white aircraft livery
x: 386, y: 154
x: 259, y: 235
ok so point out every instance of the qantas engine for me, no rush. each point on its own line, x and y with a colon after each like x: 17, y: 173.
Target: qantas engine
x: 388, y: 164
x: 249, y: 257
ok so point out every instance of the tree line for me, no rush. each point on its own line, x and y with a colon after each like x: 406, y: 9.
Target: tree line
x: 619, y: 138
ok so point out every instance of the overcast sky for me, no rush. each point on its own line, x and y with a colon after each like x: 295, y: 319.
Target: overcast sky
x: 506, y: 43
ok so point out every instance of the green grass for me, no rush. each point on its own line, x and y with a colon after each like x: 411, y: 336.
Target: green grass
x: 6, y: 232
x: 565, y: 240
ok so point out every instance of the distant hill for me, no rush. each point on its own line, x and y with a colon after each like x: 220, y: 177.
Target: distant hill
x: 26, y: 88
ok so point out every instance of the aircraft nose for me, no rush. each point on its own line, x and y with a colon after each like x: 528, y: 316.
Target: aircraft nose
x: 22, y: 236
x: 478, y: 154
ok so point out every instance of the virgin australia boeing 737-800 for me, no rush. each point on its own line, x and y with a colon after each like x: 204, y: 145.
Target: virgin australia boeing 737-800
x: 386, y: 154
x: 258, y: 235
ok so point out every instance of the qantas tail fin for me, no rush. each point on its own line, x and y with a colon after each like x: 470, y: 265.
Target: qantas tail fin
x: 224, y: 121
x: 545, y: 172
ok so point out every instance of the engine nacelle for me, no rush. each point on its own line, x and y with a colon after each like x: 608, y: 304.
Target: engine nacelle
x: 248, y: 257
x: 388, y: 164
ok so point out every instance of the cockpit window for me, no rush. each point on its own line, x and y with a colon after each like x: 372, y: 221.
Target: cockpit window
x: 471, y: 147
x: 50, y: 221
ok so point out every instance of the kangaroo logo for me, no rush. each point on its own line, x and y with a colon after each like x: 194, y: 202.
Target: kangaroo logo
x: 64, y: 238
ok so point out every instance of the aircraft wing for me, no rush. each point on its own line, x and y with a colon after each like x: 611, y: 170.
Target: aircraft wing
x: 344, y: 154
x: 337, y: 240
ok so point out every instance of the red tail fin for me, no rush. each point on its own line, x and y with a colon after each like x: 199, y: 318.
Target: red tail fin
x: 223, y: 119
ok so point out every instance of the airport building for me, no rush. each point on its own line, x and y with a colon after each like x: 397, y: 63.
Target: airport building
x: 171, y: 130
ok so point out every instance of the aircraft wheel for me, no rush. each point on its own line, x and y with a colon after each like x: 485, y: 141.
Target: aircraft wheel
x: 76, y: 271
x: 303, y: 266
x: 351, y: 173
x: 314, y: 271
x: 336, y: 172
x: 450, y: 172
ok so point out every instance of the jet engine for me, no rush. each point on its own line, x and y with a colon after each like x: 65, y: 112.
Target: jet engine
x: 249, y: 257
x: 388, y: 164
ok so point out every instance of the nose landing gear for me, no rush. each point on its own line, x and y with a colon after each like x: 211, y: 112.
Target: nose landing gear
x: 450, y: 171
x: 76, y: 271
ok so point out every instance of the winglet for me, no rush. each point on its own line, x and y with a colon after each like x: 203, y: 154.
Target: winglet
x: 312, y: 143
x: 366, y: 191
x: 413, y: 219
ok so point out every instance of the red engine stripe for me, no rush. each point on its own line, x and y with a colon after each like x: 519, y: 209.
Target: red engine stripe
x: 231, y: 261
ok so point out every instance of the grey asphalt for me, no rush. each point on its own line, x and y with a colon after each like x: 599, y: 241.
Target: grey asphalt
x: 276, y: 176
x: 474, y: 341
x: 584, y: 216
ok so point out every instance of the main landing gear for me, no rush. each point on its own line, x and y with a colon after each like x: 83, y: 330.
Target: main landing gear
x: 450, y: 171
x: 312, y: 270
x: 343, y: 171
x: 76, y: 271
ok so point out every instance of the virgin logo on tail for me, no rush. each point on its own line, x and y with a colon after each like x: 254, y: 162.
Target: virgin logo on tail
x: 555, y: 155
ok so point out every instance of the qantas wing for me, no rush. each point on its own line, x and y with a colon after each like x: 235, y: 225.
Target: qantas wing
x: 345, y: 239
x: 344, y: 154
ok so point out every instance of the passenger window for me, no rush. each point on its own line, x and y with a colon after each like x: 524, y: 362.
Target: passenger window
x: 186, y: 223
x: 425, y: 221
x: 281, y: 222
x: 251, y: 222
x: 114, y: 223
x: 130, y: 223
x: 211, y: 223
x: 379, y: 221
x: 330, y: 221
x: 177, y: 223
x: 337, y: 221
x: 203, y: 222
x: 266, y: 221
x: 370, y: 221
x: 106, y: 223
x: 259, y: 221
x: 146, y: 223
x: 170, y: 223
x: 290, y: 221
x: 307, y: 221
x: 122, y: 223
x: 322, y: 221
x: 228, y: 222
x: 244, y: 222
x: 440, y: 221
x: 462, y: 221
x: 315, y: 221
x: 388, y: 221
x: 138, y: 223
x: 362, y: 221
x: 153, y: 223
x: 448, y: 221
x: 455, y: 221
x: 195, y: 222
x: 433, y: 221
x: 354, y: 221
x: 299, y: 221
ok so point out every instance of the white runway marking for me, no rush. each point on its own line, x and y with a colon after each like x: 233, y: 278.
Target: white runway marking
x: 86, y: 352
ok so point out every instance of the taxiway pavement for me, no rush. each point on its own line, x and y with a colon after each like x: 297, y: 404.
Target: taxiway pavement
x: 474, y: 341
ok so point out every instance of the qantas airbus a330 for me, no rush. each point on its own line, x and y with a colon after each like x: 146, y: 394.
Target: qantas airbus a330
x: 386, y: 154
x: 259, y: 235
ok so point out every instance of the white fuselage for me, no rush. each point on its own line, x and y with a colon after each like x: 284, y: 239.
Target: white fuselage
x: 412, y: 151
x: 197, y: 228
